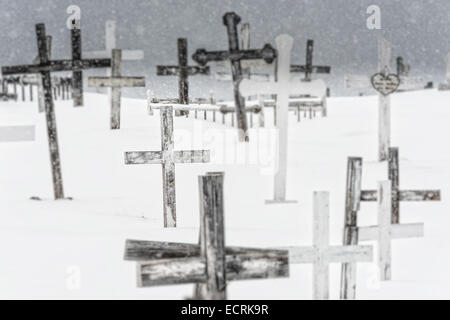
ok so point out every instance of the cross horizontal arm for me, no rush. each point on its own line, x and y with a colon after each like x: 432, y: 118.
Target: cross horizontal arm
x: 333, y: 254
x: 314, y: 69
x: 192, y: 156
x: 116, y: 82
x: 406, y: 195
x: 144, y: 157
x: 314, y: 88
x: 57, y: 65
x: 126, y: 54
x: 398, y: 231
x: 268, y: 54
x: 193, y: 270
x: 176, y: 70
x: 136, y: 250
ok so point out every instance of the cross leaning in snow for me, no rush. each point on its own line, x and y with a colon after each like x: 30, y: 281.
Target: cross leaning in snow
x: 211, y: 265
x: 116, y: 82
x: 354, y: 196
x: 183, y: 71
x: 283, y: 88
x: 235, y: 56
x: 167, y: 157
x: 44, y: 67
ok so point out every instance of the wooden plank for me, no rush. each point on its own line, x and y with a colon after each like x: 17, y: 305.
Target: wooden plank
x: 398, y: 231
x: 56, y: 66
x: 116, y: 82
x: 17, y: 133
x: 116, y: 93
x: 192, y: 156
x: 406, y: 195
x: 139, y: 250
x: 144, y: 157
x: 394, y: 177
x: 352, y: 205
x: 212, y: 240
x: 192, y: 270
x: 77, y: 75
x: 333, y: 254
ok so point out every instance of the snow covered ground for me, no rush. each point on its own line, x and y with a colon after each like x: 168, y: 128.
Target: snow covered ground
x: 74, y: 249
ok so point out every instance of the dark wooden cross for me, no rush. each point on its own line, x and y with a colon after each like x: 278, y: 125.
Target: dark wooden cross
x: 44, y: 67
x: 308, y: 69
x: 167, y: 157
x: 116, y: 82
x: 210, y: 265
x: 183, y: 71
x: 235, y: 56
x: 355, y: 195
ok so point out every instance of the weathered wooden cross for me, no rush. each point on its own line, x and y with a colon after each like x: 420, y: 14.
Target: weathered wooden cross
x: 321, y: 254
x: 283, y: 88
x: 167, y: 157
x: 183, y: 71
x: 211, y: 265
x: 116, y: 82
x: 354, y: 196
x: 388, y: 84
x: 17, y: 133
x: 235, y: 56
x: 308, y: 69
x: 44, y: 68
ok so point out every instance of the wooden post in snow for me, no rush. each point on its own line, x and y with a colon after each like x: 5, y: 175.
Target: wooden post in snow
x: 167, y: 157
x: 210, y: 265
x: 235, y: 56
x: 116, y: 82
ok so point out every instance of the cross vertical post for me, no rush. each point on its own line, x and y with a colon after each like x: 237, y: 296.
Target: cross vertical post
x: 116, y: 92
x: 394, y: 177
x: 321, y: 243
x: 384, y: 111
x: 352, y: 204
x: 77, y: 76
x: 384, y: 229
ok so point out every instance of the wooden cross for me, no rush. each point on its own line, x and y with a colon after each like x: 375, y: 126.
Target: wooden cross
x: 283, y: 88
x: 116, y: 82
x: 321, y: 254
x: 44, y: 68
x: 17, y: 133
x: 384, y: 101
x: 78, y: 64
x: 402, y: 67
x: 308, y: 69
x: 183, y: 71
x: 354, y: 196
x: 235, y: 56
x: 167, y: 157
x: 210, y: 264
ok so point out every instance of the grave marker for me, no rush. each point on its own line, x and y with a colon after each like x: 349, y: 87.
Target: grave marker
x: 283, y: 88
x: 44, y: 68
x: 211, y: 265
x: 354, y: 196
x: 167, y: 157
x: 235, y: 56
x: 183, y: 71
x: 385, y: 82
x: 308, y: 69
x: 116, y: 82
x: 321, y: 254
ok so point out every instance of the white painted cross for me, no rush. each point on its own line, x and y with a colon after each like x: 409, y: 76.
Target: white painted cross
x: 283, y: 88
x: 116, y: 82
x: 167, y: 157
x: 384, y: 101
x: 321, y: 254
x: 17, y: 133
x: 384, y: 232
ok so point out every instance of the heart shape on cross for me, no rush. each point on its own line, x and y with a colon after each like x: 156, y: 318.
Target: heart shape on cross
x: 385, y: 84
